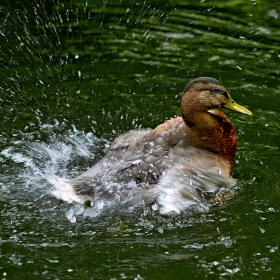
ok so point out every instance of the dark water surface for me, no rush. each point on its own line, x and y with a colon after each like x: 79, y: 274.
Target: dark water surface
x: 74, y: 75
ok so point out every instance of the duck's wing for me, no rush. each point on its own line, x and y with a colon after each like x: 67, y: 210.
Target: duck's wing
x: 140, y: 148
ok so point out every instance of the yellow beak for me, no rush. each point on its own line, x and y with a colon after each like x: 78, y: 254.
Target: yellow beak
x: 233, y: 106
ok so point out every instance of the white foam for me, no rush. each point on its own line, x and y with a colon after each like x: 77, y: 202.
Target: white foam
x: 62, y: 189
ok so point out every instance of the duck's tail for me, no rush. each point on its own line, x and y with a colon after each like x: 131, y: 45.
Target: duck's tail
x: 90, y: 193
x: 63, y: 189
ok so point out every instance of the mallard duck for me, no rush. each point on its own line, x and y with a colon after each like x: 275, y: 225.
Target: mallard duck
x: 178, y: 163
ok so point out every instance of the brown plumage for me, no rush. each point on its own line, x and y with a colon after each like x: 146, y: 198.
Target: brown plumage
x: 173, y: 165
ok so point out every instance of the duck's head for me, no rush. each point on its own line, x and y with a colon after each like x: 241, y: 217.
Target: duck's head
x: 204, y: 94
x: 207, y: 128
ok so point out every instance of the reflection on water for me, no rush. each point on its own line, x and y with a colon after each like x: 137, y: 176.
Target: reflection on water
x: 76, y: 74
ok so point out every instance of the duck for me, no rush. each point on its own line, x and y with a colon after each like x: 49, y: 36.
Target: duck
x: 182, y: 161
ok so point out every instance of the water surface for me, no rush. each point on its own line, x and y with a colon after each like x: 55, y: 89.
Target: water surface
x: 76, y: 74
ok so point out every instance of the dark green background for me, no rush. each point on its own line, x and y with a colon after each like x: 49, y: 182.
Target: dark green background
x: 74, y: 75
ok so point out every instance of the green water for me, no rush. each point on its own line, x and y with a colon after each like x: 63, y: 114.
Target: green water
x: 76, y: 74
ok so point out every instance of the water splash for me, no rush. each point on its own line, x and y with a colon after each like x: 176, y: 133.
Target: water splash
x: 32, y: 161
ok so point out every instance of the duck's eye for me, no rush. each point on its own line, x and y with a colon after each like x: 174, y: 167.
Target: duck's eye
x: 216, y: 90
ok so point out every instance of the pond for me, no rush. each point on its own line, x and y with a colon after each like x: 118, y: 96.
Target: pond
x: 75, y: 75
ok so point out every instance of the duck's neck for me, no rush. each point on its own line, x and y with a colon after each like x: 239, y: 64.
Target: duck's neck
x: 214, y: 132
